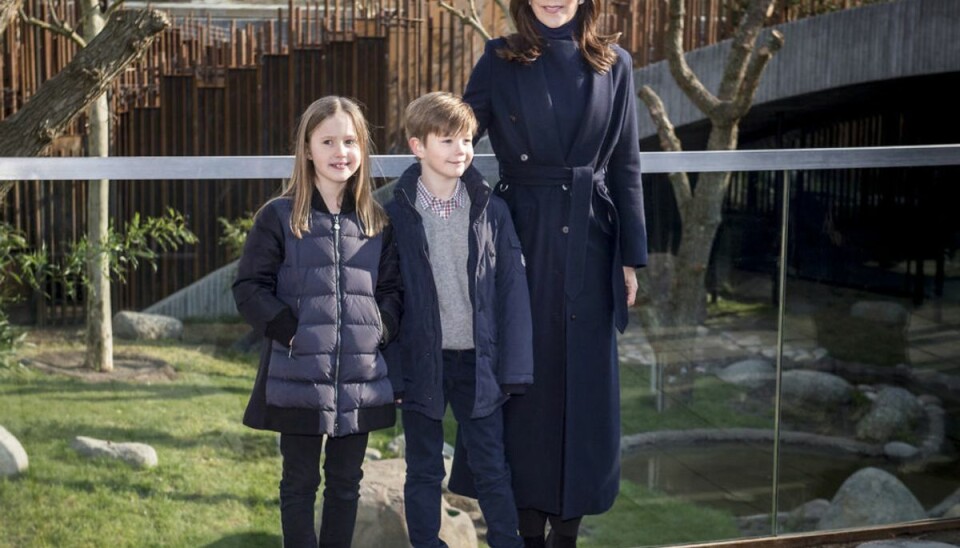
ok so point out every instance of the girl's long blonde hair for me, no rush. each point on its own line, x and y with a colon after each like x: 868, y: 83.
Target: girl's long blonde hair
x: 300, y: 187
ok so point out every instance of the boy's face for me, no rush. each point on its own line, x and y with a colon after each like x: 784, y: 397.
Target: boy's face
x: 443, y: 158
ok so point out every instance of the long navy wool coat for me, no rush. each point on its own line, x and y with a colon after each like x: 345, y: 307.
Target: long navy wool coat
x: 579, y: 215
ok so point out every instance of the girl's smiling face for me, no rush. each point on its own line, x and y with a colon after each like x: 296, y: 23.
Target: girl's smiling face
x: 554, y: 13
x: 335, y: 150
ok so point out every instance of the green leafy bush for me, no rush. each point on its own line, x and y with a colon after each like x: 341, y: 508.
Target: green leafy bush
x: 235, y: 233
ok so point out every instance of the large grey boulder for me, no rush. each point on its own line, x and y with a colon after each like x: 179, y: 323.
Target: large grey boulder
x: 749, y: 374
x: 814, y: 390
x: 139, y: 455
x: 13, y: 458
x: 140, y: 326
x: 871, y: 497
x: 381, y: 520
x: 894, y: 413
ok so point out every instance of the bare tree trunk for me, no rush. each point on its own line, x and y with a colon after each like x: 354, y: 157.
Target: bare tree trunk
x: 679, y: 303
x: 99, y: 323
x: 61, y: 99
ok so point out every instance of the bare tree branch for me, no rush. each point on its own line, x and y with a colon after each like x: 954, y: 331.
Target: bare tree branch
x: 505, y: 8
x: 668, y: 142
x: 751, y: 78
x: 62, y: 29
x: 743, y: 41
x: 114, y: 7
x: 60, y: 99
x: 8, y: 11
x: 684, y: 76
x: 471, y: 20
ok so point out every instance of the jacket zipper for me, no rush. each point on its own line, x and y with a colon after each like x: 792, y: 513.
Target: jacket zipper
x: 297, y: 252
x: 336, y: 363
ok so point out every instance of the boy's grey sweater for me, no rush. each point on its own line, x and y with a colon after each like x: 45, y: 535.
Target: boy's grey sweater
x: 448, y: 242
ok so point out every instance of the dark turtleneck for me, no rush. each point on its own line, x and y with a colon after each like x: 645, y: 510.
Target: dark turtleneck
x: 567, y: 75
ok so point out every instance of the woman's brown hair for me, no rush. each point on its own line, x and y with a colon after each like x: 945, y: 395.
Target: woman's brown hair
x: 526, y: 45
x: 301, y: 184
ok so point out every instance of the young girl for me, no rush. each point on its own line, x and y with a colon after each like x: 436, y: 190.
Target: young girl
x: 319, y: 278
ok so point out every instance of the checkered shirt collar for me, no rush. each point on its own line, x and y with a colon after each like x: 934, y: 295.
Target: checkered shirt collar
x: 443, y: 208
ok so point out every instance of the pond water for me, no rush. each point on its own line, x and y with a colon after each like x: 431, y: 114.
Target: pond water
x: 738, y: 478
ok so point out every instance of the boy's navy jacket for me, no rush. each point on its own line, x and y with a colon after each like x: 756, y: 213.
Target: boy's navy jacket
x: 502, y: 330
x: 338, y: 291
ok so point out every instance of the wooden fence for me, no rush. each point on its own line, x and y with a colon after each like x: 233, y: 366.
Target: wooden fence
x: 213, y: 86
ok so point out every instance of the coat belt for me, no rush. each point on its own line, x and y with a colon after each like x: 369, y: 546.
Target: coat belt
x: 581, y: 180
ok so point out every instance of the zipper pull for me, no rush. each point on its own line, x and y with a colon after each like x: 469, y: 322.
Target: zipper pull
x: 336, y: 222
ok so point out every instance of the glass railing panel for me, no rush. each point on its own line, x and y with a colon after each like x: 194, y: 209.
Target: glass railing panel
x: 871, y: 348
x: 697, y: 387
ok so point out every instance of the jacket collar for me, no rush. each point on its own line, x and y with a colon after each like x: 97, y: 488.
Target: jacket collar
x: 349, y: 204
x: 473, y: 182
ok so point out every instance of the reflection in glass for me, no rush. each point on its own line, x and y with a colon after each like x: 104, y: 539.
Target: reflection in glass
x: 879, y: 387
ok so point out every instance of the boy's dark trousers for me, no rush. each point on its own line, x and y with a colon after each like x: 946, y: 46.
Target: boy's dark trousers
x: 301, y: 478
x: 483, y: 439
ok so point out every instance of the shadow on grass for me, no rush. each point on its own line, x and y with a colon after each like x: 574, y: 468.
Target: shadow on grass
x: 239, y: 446
x: 245, y: 540
x: 125, y: 487
x: 124, y: 391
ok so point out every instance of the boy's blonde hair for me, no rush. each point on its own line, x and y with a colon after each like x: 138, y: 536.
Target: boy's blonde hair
x: 301, y: 184
x: 439, y: 113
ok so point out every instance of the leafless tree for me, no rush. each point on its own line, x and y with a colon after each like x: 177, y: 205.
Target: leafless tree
x: 672, y: 296
x: 108, y: 46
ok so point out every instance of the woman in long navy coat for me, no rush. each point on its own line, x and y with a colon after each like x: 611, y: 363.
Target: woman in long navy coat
x: 558, y: 103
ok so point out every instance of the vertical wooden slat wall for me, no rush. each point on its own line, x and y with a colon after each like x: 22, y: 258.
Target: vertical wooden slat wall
x: 219, y: 87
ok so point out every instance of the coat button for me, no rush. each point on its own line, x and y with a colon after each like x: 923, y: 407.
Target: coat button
x: 573, y: 316
x: 524, y: 157
x: 513, y: 118
x: 565, y: 186
x: 565, y: 229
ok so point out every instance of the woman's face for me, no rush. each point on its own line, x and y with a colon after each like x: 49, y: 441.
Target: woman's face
x: 554, y: 13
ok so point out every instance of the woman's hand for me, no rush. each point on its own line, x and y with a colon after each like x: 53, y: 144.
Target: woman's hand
x: 630, y: 276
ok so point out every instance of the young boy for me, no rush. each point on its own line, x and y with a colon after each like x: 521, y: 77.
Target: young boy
x: 466, y: 336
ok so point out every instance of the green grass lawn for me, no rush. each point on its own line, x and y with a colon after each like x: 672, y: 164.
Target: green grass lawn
x: 216, y: 484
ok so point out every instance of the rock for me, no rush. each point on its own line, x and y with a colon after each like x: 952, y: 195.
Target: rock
x: 380, y: 516
x: 805, y: 517
x: 898, y: 450
x: 953, y: 512
x: 372, y: 454
x: 447, y: 450
x: 893, y: 413
x: 951, y: 501
x: 814, y: 389
x: 885, y: 312
x: 472, y: 508
x: 871, y: 497
x: 749, y: 373
x: 140, y: 455
x: 819, y: 353
x: 398, y: 446
x: 930, y: 399
x: 139, y: 326
x: 13, y: 458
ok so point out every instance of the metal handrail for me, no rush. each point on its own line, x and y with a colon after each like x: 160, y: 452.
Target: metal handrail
x: 280, y: 167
